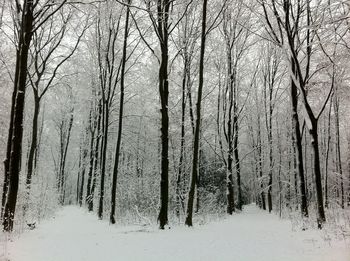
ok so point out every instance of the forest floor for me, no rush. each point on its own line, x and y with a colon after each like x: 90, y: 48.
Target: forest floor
x: 253, y: 235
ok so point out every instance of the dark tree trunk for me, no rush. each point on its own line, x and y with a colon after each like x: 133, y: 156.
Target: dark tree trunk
x: 295, y: 170
x: 163, y: 34
x: 317, y: 171
x: 269, y: 138
x: 327, y: 156
x: 229, y: 179
x: 230, y: 88
x: 82, y: 170
x: 120, y: 127
x: 65, y: 132
x: 9, y: 139
x: 105, y: 122
x: 237, y: 161
x: 259, y: 143
x: 348, y: 167
x: 193, y: 182
x: 164, y: 183
x: 82, y: 182
x: 298, y: 146
x: 339, y: 168
x: 92, y: 129
x: 34, y: 142
x: 25, y: 36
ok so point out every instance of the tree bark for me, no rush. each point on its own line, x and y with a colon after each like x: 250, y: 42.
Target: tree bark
x: 298, y: 146
x: 96, y: 156
x: 120, y: 127
x: 25, y: 37
x: 104, y: 142
x: 339, y: 168
x: 327, y: 156
x: 193, y: 182
x: 259, y: 145
x: 163, y: 32
x: 34, y: 141
x: 179, y: 196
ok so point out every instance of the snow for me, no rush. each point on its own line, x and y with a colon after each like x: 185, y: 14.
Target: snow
x: 253, y: 235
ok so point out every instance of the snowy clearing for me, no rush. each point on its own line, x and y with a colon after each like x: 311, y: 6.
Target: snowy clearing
x: 253, y: 235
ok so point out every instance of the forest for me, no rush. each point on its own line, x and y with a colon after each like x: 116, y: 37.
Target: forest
x: 175, y: 112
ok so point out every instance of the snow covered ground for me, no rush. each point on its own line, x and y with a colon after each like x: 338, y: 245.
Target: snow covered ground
x: 74, y: 235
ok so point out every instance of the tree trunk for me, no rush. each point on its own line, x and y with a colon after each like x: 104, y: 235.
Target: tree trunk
x: 34, y: 142
x: 92, y: 129
x: 105, y: 122
x: 269, y: 138
x: 193, y: 182
x: 237, y: 161
x: 25, y: 36
x: 120, y: 127
x: 259, y: 144
x: 317, y: 170
x: 339, y: 168
x: 327, y: 156
x: 9, y: 139
x: 179, y: 196
x: 82, y: 174
x: 163, y: 85
x: 299, y: 148
x: 97, y: 151
x: 65, y: 140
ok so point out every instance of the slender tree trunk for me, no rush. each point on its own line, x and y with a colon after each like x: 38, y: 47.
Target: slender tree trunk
x: 92, y: 129
x: 34, y: 142
x: 97, y: 154
x: 82, y: 173
x: 295, y: 169
x: 269, y: 138
x: 65, y: 140
x: 105, y: 122
x: 338, y: 151
x: 237, y: 161
x: 327, y: 156
x: 348, y: 165
x: 230, y: 138
x: 299, y: 148
x: 259, y: 143
x: 193, y: 182
x: 230, y: 122
x: 120, y: 127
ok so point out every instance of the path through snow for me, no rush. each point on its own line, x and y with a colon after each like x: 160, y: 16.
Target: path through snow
x: 75, y: 235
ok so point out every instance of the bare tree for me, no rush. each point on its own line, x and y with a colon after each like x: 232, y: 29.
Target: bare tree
x: 194, y: 175
x: 121, y: 109
x: 290, y: 17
